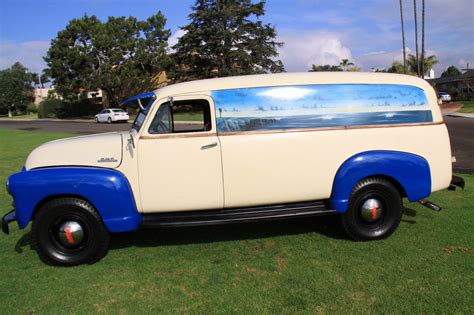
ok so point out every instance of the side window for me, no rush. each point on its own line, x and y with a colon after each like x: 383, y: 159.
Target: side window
x: 181, y: 117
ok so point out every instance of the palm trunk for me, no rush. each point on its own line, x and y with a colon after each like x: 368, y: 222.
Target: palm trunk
x: 416, y: 41
x: 403, y: 40
x: 423, y: 70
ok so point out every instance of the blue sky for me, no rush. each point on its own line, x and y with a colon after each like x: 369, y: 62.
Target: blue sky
x: 314, y: 31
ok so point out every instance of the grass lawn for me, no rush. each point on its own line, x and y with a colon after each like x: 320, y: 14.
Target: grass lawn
x: 26, y: 116
x: 297, y: 266
x: 468, y: 107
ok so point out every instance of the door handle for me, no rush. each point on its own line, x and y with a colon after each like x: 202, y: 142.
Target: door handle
x: 208, y: 146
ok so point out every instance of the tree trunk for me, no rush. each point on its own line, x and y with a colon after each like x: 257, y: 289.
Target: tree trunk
x: 416, y: 40
x: 403, y: 40
x: 423, y: 70
x: 9, y: 111
x: 105, y: 99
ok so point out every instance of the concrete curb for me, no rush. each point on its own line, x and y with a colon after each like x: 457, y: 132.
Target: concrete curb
x: 464, y: 115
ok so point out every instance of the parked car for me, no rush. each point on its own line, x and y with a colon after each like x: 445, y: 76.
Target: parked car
x: 112, y: 115
x: 260, y: 147
x: 444, y: 97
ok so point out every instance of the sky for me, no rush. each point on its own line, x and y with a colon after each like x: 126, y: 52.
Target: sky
x: 368, y: 32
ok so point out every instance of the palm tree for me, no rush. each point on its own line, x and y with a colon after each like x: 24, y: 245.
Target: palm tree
x: 416, y: 39
x: 428, y: 63
x: 345, y: 63
x: 422, y: 35
x: 403, y: 40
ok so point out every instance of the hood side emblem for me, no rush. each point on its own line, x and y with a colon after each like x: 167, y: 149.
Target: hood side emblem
x: 107, y: 160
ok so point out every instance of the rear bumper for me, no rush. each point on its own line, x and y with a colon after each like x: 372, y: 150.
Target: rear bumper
x: 7, y: 219
x: 456, y: 181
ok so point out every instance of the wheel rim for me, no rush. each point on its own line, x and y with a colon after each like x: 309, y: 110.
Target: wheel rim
x: 70, y: 234
x: 371, y: 210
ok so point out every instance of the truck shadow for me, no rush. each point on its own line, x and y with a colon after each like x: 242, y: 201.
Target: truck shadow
x: 328, y: 226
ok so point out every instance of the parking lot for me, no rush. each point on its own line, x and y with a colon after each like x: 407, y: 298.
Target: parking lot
x: 461, y: 131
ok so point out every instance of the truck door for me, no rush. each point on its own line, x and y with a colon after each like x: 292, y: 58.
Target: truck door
x: 179, y: 157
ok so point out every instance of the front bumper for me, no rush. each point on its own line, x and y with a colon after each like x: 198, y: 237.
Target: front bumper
x: 456, y: 181
x: 7, y: 218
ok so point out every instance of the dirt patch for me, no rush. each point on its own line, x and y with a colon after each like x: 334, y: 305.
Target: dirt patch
x: 456, y: 249
x: 452, y: 107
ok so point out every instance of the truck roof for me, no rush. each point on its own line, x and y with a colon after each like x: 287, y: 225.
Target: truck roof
x: 285, y: 79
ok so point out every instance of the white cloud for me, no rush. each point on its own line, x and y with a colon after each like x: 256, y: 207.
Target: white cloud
x: 173, y: 40
x: 29, y: 53
x: 287, y: 93
x: 303, y: 49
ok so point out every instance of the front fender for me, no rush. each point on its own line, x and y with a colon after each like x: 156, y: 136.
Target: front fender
x: 108, y: 190
x: 411, y: 171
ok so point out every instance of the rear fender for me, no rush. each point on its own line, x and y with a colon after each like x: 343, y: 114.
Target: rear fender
x: 410, y: 171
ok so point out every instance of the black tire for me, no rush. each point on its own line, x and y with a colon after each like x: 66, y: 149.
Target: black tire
x: 97, y: 120
x: 45, y: 238
x: 109, y: 120
x: 385, y: 222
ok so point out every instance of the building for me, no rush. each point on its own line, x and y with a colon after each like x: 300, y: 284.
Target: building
x: 462, y: 84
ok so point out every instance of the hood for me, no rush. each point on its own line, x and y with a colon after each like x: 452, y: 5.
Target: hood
x: 101, y: 150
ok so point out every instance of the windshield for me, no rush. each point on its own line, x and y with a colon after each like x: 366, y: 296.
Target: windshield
x: 118, y: 111
x: 140, y: 101
x: 137, y: 124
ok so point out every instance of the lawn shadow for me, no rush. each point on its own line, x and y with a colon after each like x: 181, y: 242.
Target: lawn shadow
x: 410, y: 213
x: 24, y: 241
x: 325, y: 225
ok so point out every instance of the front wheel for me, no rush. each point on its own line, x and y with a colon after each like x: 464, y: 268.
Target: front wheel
x: 374, y: 210
x: 69, y: 232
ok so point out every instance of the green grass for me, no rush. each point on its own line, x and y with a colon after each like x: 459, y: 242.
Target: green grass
x: 468, y: 107
x: 188, y: 117
x: 427, y: 266
x: 26, y: 116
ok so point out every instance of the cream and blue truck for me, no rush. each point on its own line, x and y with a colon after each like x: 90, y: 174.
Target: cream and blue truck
x: 251, y: 148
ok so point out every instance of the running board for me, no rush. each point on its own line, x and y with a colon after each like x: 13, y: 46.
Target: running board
x: 235, y: 215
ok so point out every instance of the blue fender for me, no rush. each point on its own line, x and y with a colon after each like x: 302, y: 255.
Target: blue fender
x: 411, y: 171
x: 108, y: 190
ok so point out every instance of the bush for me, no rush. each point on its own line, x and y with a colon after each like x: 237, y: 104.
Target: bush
x: 80, y: 108
x: 31, y: 108
x: 48, y: 108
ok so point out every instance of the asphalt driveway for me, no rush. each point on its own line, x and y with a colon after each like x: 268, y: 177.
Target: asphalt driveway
x: 461, y: 131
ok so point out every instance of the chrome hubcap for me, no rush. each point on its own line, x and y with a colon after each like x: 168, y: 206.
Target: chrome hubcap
x: 371, y: 210
x: 70, y: 233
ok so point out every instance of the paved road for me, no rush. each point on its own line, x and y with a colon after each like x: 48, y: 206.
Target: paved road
x: 461, y: 131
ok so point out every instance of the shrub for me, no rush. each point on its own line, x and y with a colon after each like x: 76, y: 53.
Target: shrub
x: 80, y: 108
x: 32, y: 108
x: 48, y: 108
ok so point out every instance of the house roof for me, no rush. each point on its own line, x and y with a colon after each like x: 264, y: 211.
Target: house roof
x: 469, y: 74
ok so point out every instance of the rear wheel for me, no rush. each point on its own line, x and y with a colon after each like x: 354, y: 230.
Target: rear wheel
x: 109, y: 120
x: 97, y: 120
x: 69, y: 232
x: 374, y: 210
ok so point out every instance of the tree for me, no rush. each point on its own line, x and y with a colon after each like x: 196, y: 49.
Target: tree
x: 318, y: 68
x: 345, y: 64
x: 396, y: 67
x: 403, y: 40
x: 121, y: 56
x: 428, y: 64
x: 41, y: 79
x: 226, y: 38
x: 15, y: 88
x: 451, y: 71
